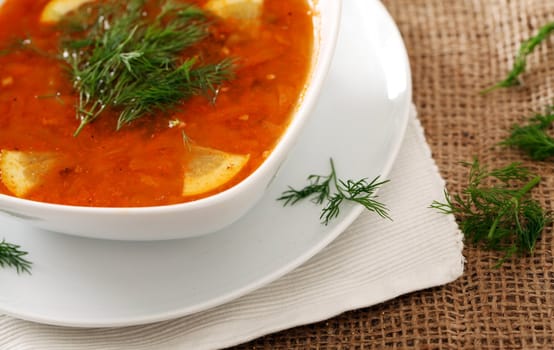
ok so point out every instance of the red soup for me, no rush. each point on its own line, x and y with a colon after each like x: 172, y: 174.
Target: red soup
x: 53, y: 150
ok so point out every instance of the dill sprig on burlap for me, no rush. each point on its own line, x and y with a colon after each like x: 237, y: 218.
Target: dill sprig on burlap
x: 520, y: 62
x: 533, y: 138
x: 495, y: 210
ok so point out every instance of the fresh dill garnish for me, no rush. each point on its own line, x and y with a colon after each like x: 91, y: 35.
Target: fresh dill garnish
x: 526, y: 48
x: 13, y: 46
x: 533, y: 138
x: 496, y: 212
x: 23, y: 44
x: 186, y: 141
x: 12, y: 256
x: 56, y: 96
x: 334, y: 192
x: 121, y: 59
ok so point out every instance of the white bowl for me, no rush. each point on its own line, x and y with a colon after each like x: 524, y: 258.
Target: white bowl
x: 205, y: 215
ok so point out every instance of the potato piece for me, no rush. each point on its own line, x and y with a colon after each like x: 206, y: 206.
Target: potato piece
x: 209, y: 168
x: 56, y: 9
x: 239, y: 9
x: 21, y: 172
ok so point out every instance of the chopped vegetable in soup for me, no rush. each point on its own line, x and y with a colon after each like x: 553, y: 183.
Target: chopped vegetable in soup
x: 141, y: 103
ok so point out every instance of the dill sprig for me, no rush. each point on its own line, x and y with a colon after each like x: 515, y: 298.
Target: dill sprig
x: 533, y: 138
x: 23, y: 44
x: 12, y: 256
x: 321, y: 191
x: 123, y: 60
x: 520, y: 63
x: 14, y: 45
x: 496, y: 212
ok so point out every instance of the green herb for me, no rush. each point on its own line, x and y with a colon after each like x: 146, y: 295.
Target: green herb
x: 25, y: 44
x: 186, y: 141
x: 123, y: 60
x: 520, y: 62
x: 20, y: 44
x: 56, y: 96
x: 334, y: 192
x: 12, y: 256
x: 495, y: 210
x: 13, y: 46
x: 533, y: 138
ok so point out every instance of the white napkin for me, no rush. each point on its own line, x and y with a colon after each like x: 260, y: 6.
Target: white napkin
x: 419, y: 249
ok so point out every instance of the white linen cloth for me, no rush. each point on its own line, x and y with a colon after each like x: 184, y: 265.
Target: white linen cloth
x: 419, y: 249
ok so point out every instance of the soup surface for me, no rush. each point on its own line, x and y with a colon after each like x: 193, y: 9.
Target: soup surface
x: 144, y: 162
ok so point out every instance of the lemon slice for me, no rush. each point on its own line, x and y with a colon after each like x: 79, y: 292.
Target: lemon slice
x: 23, y: 171
x: 56, y: 9
x: 239, y: 9
x: 209, y: 168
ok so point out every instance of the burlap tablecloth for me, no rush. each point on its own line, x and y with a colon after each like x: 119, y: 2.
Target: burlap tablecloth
x: 457, y: 48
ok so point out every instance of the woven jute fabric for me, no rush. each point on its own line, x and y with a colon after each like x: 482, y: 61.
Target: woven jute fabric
x: 456, y: 49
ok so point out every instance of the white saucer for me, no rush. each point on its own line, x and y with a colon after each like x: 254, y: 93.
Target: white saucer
x: 360, y: 122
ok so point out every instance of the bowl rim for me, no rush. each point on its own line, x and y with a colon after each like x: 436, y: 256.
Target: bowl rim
x: 321, y: 61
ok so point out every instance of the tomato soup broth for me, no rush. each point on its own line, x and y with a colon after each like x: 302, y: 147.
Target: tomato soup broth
x: 144, y: 163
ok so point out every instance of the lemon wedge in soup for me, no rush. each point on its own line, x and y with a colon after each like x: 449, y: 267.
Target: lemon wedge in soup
x: 239, y: 9
x: 56, y: 9
x: 21, y: 172
x: 209, y: 168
